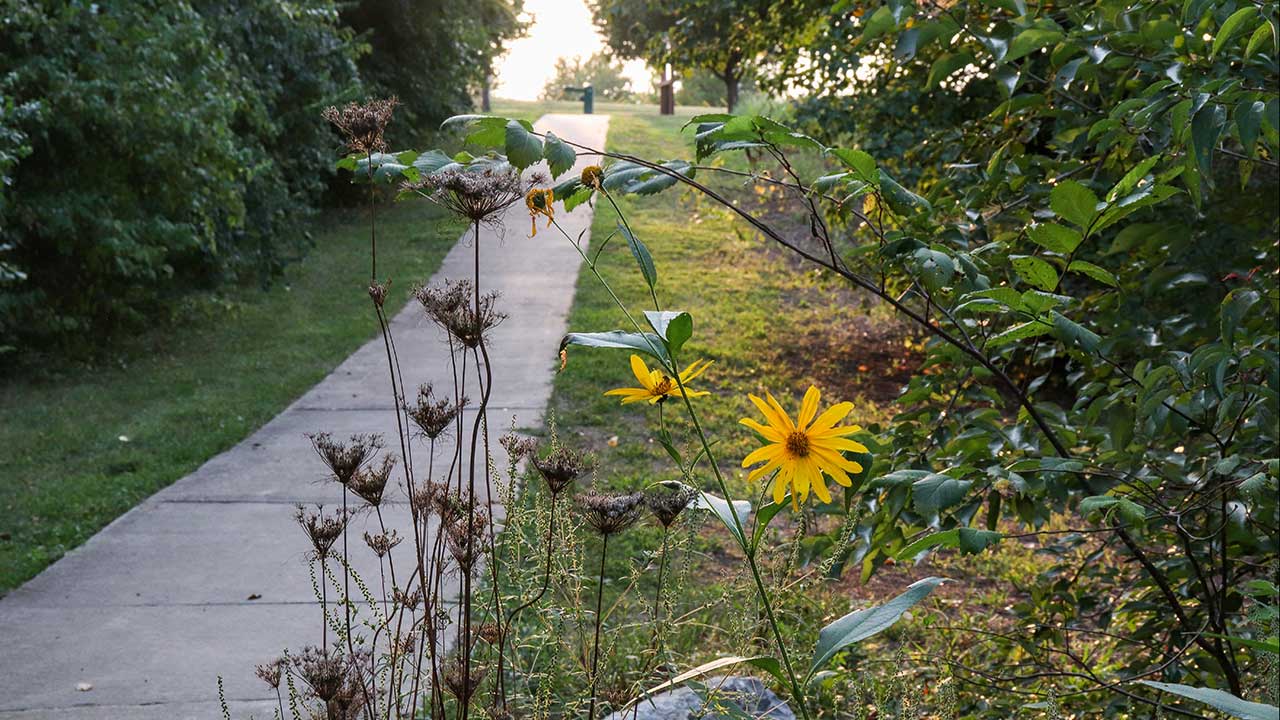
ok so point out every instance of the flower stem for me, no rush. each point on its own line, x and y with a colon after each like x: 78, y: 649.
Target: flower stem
x: 595, y: 652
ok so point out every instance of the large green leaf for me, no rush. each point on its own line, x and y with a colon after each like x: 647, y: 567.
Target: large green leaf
x: 970, y: 541
x: 763, y: 662
x: 1221, y: 700
x: 641, y: 253
x: 674, y: 327
x: 936, y: 491
x: 1030, y: 40
x: 523, y: 147
x: 721, y: 509
x: 560, y: 157
x: 1074, y: 203
x: 647, y: 343
x: 1035, y: 271
x: 1055, y: 237
x: 862, y: 624
x: 945, y: 66
x: 1234, y: 24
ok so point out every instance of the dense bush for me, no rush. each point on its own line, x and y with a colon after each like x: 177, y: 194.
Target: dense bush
x: 150, y: 147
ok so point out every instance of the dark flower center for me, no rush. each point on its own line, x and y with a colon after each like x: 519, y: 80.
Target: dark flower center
x: 798, y: 444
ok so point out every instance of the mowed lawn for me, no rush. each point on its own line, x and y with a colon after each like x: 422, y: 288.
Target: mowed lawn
x: 83, y: 443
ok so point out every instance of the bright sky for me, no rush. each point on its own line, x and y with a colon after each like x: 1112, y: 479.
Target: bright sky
x: 561, y: 28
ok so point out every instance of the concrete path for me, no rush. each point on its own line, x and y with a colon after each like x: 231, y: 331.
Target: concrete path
x: 208, y: 576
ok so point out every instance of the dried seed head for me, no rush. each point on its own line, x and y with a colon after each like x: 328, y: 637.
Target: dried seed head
x: 378, y: 292
x: 451, y: 308
x: 271, y: 672
x: 489, y: 633
x: 518, y: 447
x: 345, y: 459
x: 433, y: 416
x: 466, y: 537
x: 610, y: 514
x: 323, y: 530
x: 382, y: 543
x: 560, y: 468
x: 667, y: 500
x: 439, y: 499
x: 478, y: 195
x: 333, y: 677
x: 461, y: 683
x: 406, y: 600
x: 370, y: 482
x: 363, y: 125
x: 592, y: 176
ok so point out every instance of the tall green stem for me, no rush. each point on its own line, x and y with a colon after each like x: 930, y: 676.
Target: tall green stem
x: 595, y: 652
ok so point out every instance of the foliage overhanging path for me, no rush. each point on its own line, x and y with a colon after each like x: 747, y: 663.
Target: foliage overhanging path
x: 205, y: 578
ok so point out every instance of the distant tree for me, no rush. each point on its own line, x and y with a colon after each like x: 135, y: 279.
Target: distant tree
x: 432, y: 54
x: 601, y: 71
x: 727, y: 38
x: 702, y: 87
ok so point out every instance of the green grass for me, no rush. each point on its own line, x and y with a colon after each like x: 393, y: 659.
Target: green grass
x: 85, y: 443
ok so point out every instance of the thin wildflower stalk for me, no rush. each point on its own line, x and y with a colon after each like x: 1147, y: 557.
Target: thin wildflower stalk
x: 595, y: 652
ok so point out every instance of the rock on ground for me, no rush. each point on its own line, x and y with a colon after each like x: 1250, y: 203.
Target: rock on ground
x: 744, y: 694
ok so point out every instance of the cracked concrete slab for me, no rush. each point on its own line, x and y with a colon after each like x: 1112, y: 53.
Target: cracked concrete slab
x: 155, y: 607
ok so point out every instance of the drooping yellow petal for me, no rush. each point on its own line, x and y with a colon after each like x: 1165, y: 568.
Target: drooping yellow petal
x: 768, y: 433
x: 834, y: 466
x: 799, y: 481
x: 820, y: 488
x: 808, y: 407
x: 779, y: 490
x: 837, y: 431
x: 831, y: 416
x: 694, y: 393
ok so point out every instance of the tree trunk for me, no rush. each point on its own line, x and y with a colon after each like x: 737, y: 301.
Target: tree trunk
x: 731, y: 91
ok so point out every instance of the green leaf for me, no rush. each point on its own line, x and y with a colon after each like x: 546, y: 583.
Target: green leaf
x: 523, y: 147
x: 970, y: 541
x: 482, y: 130
x: 1074, y: 334
x: 629, y: 178
x: 900, y: 199
x: 880, y: 22
x: 862, y: 164
x: 647, y: 343
x: 862, y: 624
x: 560, y: 157
x: 935, y: 492
x: 720, y: 508
x: 935, y: 268
x: 765, y: 516
x: 1074, y: 203
x: 674, y: 327
x: 1021, y: 331
x: 1260, y: 36
x: 1235, y: 306
x: 1093, y: 271
x: 1031, y: 40
x: 642, y: 256
x: 974, y: 540
x: 1249, y: 123
x: 945, y: 66
x: 1054, y: 237
x: 1206, y: 127
x: 1035, y: 271
x: 1220, y: 700
x: 1234, y: 24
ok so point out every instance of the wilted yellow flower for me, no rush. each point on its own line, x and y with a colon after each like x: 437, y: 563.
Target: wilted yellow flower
x: 592, y: 176
x: 656, y: 386
x: 803, y: 451
x: 540, y: 202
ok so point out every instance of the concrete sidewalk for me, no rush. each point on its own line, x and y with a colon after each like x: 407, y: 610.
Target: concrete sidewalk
x: 156, y: 606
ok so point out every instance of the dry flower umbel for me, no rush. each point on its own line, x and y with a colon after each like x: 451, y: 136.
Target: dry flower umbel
x: 433, y: 416
x: 560, y: 468
x: 382, y: 543
x: 370, y: 482
x: 610, y: 514
x: 466, y: 539
x: 451, y: 308
x: 477, y: 195
x: 323, y: 530
x: 667, y: 500
x: 363, y: 124
x: 345, y: 459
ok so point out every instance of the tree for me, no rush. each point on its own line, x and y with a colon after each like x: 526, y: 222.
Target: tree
x: 728, y: 38
x: 431, y: 54
x: 601, y: 72
x: 701, y: 87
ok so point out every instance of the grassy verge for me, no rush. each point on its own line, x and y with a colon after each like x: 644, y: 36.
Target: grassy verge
x: 84, y: 443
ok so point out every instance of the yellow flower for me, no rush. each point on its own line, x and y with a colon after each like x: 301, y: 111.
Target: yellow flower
x: 540, y: 202
x: 656, y: 386
x: 803, y: 451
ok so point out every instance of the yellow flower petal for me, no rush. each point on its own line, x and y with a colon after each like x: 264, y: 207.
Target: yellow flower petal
x: 833, y: 415
x: 768, y: 452
x: 694, y: 370
x: 839, y: 443
x: 820, y: 489
x: 765, y: 469
x: 641, y: 371
x: 771, y: 416
x: 786, y: 419
x: 808, y: 407
x: 769, y: 433
x: 779, y: 490
x: 838, y: 431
